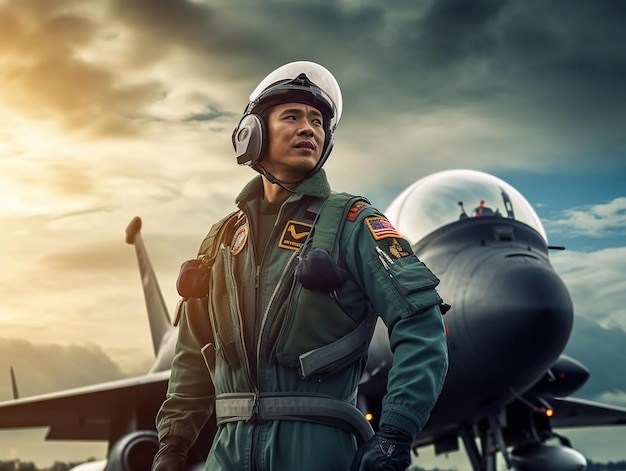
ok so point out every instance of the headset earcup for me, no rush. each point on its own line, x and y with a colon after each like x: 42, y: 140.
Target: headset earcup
x: 248, y: 140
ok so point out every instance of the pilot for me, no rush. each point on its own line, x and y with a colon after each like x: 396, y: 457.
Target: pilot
x: 280, y: 305
x: 482, y: 210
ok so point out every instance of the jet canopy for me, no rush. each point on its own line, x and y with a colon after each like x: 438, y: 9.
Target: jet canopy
x: 447, y: 197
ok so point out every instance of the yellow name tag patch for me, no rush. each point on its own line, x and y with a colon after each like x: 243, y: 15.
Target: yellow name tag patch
x: 294, y: 234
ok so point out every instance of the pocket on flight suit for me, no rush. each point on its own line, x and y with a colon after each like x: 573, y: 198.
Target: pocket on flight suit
x: 224, y: 307
x: 313, y: 319
x: 408, y: 283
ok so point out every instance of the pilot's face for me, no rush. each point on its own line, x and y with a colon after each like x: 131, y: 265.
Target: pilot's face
x: 295, y: 140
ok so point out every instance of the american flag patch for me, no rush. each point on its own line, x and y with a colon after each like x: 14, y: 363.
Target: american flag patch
x: 381, y: 228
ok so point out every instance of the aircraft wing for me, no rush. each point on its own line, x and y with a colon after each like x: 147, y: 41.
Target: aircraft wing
x: 568, y: 413
x: 581, y: 413
x: 90, y: 412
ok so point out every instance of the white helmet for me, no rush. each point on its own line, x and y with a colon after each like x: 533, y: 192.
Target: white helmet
x: 295, y: 82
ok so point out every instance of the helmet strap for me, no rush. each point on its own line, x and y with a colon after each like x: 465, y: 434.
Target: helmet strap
x: 272, y: 179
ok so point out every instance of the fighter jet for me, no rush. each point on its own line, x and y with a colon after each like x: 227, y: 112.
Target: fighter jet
x: 510, y: 321
x: 508, y: 382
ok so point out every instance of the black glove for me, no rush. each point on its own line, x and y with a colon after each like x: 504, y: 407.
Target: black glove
x: 169, y: 458
x: 389, y: 450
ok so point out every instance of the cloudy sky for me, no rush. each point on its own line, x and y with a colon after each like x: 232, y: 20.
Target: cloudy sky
x: 111, y: 109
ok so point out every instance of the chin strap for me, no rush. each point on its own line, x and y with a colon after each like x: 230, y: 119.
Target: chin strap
x: 281, y: 183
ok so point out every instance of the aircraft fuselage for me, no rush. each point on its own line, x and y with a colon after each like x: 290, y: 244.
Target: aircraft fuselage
x: 510, y: 320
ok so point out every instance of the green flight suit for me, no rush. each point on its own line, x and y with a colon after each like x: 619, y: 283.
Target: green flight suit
x: 257, y: 351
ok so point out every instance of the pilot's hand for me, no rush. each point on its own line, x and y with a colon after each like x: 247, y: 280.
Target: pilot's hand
x: 169, y: 458
x: 389, y: 449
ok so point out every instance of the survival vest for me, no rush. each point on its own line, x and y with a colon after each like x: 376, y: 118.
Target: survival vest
x: 309, y: 354
x: 311, y: 292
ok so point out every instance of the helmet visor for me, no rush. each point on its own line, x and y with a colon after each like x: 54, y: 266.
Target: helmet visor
x: 324, y: 89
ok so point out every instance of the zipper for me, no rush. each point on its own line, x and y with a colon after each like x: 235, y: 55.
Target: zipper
x: 256, y: 431
x: 257, y: 285
x: 277, y: 289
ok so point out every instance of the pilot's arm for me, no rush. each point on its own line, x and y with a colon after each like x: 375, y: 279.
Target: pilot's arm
x: 190, y: 395
x: 402, y: 290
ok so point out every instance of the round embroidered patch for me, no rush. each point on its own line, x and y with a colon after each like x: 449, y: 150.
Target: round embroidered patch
x: 239, y: 239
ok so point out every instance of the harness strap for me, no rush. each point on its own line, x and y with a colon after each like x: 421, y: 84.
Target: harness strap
x: 318, y: 358
x: 330, y: 217
x: 233, y: 407
x: 211, y: 242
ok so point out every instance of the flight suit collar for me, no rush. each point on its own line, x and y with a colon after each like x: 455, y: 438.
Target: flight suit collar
x: 317, y: 185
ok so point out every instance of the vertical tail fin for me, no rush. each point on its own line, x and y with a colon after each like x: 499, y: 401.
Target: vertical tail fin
x: 160, y: 321
x: 16, y: 394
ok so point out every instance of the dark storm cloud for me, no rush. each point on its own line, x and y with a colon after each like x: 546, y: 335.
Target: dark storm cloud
x: 238, y: 38
x: 456, y: 30
x: 556, y: 66
x: 554, y: 70
x: 557, y: 58
x: 167, y: 23
x: 569, y: 57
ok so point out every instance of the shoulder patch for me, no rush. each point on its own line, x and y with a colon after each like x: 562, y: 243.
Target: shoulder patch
x: 381, y: 228
x: 294, y: 234
x: 397, y: 250
x: 239, y: 239
x: 356, y: 209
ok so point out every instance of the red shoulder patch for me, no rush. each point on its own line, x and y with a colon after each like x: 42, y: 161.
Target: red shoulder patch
x: 355, y: 210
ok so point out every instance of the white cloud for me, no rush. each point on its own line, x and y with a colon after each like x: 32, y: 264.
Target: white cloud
x: 617, y: 398
x: 596, y: 283
x: 598, y: 220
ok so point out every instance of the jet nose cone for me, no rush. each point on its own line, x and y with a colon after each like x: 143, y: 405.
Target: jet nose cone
x: 523, y: 309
